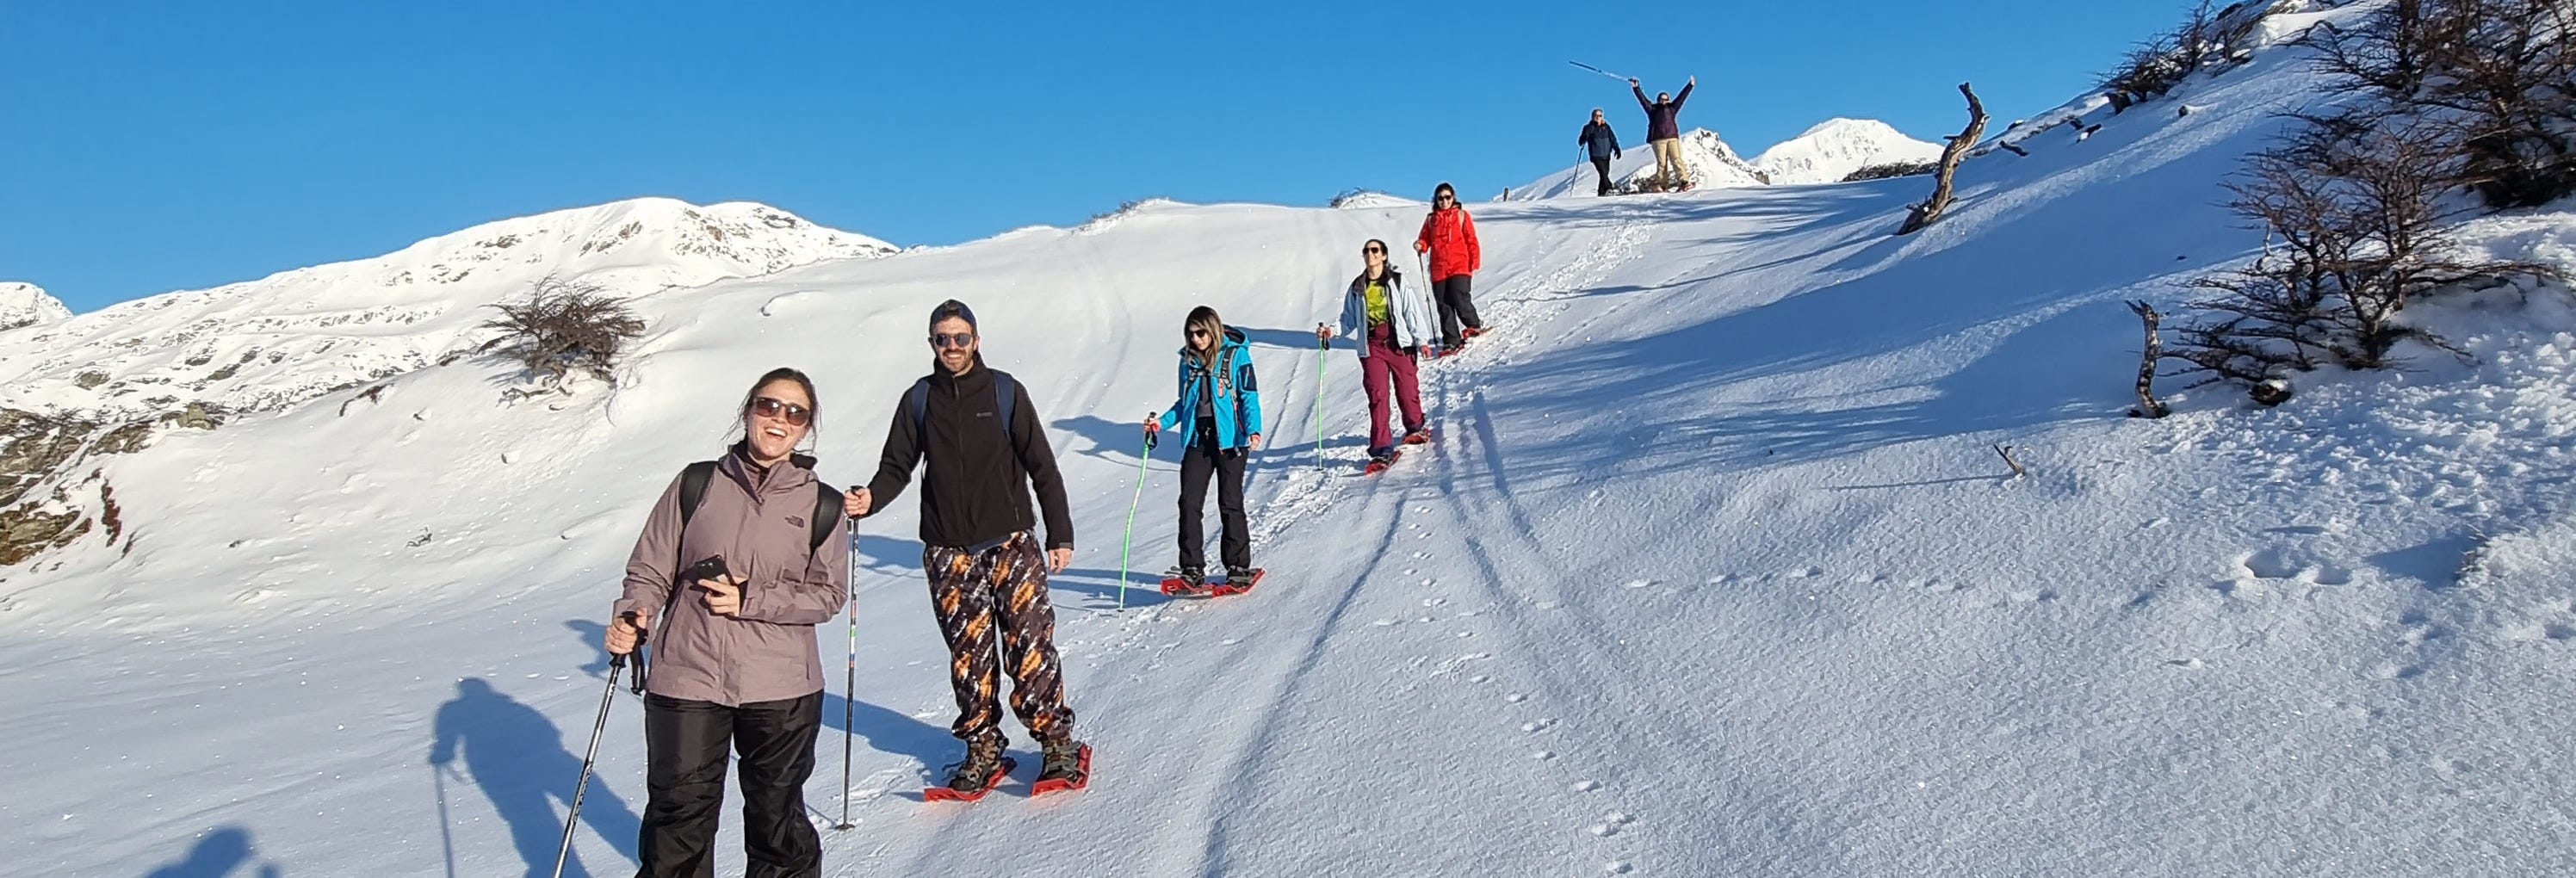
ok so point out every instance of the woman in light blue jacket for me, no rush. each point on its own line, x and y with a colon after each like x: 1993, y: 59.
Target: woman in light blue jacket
x: 1221, y: 401
x: 1391, y: 322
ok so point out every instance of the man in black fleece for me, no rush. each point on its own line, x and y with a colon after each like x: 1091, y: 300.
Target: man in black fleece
x: 979, y: 550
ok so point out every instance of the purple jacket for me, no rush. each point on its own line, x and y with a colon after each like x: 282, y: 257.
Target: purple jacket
x: 760, y: 523
x: 1663, y: 121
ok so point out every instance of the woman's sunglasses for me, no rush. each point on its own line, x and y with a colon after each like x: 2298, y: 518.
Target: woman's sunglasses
x: 1198, y: 333
x: 795, y: 415
x: 958, y: 340
x: 1371, y: 251
x: 1444, y: 199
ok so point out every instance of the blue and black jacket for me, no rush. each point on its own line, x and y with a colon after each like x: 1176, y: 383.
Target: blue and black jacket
x: 1237, y: 396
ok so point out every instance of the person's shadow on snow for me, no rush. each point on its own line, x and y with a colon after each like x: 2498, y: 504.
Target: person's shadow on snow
x: 596, y: 635
x: 520, y: 761
x: 215, y: 855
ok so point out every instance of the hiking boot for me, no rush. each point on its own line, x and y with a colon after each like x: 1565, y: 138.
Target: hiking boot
x: 1238, y: 575
x: 1418, y: 437
x: 1194, y: 577
x: 1067, y: 765
x: 983, y: 765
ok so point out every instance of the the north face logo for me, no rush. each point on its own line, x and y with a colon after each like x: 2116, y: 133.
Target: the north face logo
x: 797, y: 520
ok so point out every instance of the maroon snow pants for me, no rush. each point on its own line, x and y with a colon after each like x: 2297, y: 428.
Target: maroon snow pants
x: 1385, y: 362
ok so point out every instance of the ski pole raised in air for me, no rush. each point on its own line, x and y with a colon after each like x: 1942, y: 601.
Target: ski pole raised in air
x: 1598, y: 70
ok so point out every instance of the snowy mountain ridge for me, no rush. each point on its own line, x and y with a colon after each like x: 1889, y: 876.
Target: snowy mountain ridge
x: 1834, y: 148
x: 296, y: 334
x: 1825, y: 153
x: 25, y: 304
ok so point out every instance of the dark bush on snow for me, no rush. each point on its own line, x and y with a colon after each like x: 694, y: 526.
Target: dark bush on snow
x: 564, y: 326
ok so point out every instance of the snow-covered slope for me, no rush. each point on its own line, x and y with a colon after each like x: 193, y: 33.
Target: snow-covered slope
x: 1712, y: 569
x: 1713, y: 164
x: 25, y: 304
x: 1835, y: 148
x: 294, y: 335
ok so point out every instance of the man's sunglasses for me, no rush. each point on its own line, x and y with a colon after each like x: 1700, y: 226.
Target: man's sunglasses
x: 795, y: 415
x: 958, y: 340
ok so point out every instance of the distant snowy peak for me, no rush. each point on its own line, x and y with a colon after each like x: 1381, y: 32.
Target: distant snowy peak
x: 25, y: 304
x: 1364, y: 199
x: 1832, y: 150
x: 655, y: 241
x: 297, y: 334
x: 1713, y: 163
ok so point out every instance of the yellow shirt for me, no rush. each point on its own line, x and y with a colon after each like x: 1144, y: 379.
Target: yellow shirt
x: 1377, y: 314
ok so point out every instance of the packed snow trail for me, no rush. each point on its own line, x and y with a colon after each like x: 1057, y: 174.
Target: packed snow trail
x: 1711, y: 569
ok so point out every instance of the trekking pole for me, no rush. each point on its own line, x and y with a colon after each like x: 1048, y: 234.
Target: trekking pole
x: 1598, y: 70
x: 850, y: 684
x: 1323, y: 356
x: 446, y: 837
x: 589, y: 757
x: 1128, y: 546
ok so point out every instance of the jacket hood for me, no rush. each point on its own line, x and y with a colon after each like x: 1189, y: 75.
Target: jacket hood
x: 1393, y: 277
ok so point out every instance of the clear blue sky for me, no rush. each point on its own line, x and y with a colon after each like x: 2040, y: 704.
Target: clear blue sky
x: 146, y: 148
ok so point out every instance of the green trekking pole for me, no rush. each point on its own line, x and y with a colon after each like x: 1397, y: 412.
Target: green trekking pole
x: 1128, y: 546
x: 1323, y: 344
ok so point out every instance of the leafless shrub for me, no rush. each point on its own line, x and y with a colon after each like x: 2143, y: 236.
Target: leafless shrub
x: 564, y: 326
x: 1892, y: 169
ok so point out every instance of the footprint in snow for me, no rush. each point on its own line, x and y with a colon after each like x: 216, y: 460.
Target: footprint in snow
x: 1538, y: 726
x: 1638, y: 583
x: 1515, y: 698
x: 1618, y: 867
x: 1585, y: 786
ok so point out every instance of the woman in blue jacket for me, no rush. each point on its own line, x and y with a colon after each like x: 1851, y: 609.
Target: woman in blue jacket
x: 1221, y: 402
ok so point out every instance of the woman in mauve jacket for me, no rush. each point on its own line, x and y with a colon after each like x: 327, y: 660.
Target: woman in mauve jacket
x: 728, y: 594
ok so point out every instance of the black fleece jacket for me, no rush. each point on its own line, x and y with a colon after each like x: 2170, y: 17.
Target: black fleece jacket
x: 975, y: 491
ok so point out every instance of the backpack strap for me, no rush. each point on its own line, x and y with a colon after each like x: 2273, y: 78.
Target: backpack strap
x: 693, y: 488
x: 827, y: 509
x: 918, y: 400
x: 1006, y: 390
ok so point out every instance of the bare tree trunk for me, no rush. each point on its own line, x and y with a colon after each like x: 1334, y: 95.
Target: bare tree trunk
x: 1924, y: 214
x: 2148, y: 407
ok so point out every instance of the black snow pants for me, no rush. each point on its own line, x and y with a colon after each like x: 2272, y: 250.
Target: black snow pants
x: 684, y: 746
x: 1204, y: 459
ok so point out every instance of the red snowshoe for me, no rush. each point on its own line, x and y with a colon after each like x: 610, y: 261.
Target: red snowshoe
x: 1379, y: 464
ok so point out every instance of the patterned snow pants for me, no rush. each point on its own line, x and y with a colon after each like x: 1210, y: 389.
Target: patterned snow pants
x: 968, y: 591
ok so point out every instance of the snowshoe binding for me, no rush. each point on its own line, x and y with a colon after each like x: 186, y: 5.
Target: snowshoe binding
x: 1237, y: 581
x: 1067, y: 767
x: 1379, y: 463
x: 1189, y: 581
x: 984, y: 768
x: 1418, y: 437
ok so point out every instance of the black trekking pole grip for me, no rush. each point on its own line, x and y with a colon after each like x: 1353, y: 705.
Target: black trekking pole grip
x: 635, y: 685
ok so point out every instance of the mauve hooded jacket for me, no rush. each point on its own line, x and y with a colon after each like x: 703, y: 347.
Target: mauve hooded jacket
x: 762, y: 525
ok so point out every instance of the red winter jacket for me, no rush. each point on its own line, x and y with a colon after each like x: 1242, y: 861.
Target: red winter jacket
x: 1450, y: 236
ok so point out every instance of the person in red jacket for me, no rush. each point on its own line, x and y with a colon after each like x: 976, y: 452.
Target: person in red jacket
x: 1449, y: 236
